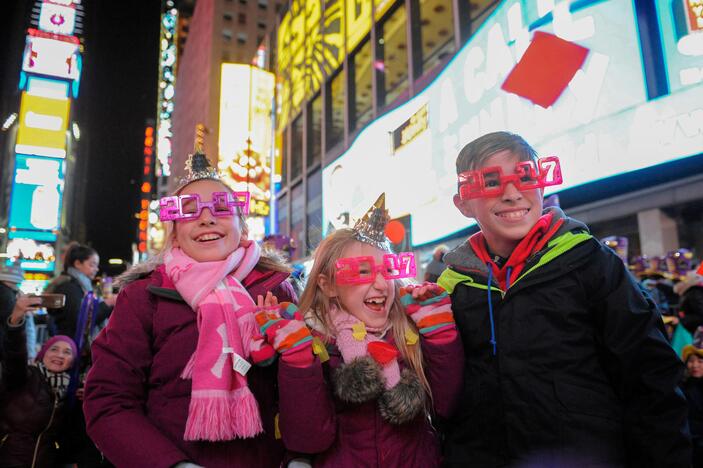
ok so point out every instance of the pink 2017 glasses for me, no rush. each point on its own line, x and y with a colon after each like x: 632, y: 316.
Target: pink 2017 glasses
x: 360, y: 270
x: 185, y: 207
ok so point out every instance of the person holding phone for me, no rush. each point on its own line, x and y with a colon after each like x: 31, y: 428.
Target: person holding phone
x: 12, y: 299
x: 32, y: 396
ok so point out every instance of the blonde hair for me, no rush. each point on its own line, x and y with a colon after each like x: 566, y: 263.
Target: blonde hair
x: 316, y: 305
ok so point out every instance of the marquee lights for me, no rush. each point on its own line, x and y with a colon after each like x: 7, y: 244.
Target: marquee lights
x: 167, y: 83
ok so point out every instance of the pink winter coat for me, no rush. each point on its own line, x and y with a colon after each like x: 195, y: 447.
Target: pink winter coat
x: 342, y: 435
x: 136, y: 404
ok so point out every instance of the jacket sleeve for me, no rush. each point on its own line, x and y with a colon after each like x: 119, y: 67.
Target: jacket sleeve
x: 7, y: 304
x: 116, y: 389
x: 307, y: 413
x: 104, y: 312
x: 14, y: 365
x: 444, y: 368
x: 285, y: 292
x: 642, y: 366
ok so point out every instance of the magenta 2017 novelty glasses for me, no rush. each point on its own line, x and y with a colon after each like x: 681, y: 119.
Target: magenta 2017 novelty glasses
x: 491, y: 182
x: 185, y: 207
x: 360, y: 270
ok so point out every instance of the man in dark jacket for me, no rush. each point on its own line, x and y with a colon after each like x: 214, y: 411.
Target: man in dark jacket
x: 566, y: 359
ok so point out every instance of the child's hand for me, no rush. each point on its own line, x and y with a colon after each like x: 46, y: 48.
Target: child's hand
x: 269, y: 301
x: 430, y: 307
x: 289, y: 336
x: 424, y: 291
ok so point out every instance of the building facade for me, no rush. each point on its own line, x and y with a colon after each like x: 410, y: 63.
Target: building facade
x: 380, y: 96
x: 220, y: 31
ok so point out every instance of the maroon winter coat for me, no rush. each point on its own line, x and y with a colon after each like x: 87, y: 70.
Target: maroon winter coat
x: 343, y: 435
x: 136, y: 404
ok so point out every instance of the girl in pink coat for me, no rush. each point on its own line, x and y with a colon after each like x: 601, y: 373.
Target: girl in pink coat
x: 382, y: 363
x: 179, y: 375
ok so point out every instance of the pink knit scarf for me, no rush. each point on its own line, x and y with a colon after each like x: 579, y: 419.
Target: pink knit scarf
x: 222, y: 406
x: 353, y: 340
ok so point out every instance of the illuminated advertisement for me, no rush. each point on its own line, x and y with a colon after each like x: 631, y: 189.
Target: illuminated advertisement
x: 682, y: 37
x: 42, y: 126
x: 58, y: 19
x: 311, y: 43
x: 245, y: 136
x: 32, y: 255
x: 167, y: 90
x: 37, y: 192
x: 43, y: 87
x: 52, y: 55
x: 592, y: 113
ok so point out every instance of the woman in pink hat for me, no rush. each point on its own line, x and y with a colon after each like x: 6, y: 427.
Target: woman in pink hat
x: 32, y: 396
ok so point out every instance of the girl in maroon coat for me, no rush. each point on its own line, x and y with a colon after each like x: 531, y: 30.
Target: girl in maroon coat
x: 386, y: 358
x: 172, y: 382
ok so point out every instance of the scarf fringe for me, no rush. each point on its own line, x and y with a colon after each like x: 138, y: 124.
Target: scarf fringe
x: 217, y: 416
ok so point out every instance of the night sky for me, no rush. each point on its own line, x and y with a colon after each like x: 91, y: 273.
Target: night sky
x: 118, y: 93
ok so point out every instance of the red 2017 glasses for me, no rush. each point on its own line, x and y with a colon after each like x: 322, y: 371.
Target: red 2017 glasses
x: 491, y: 182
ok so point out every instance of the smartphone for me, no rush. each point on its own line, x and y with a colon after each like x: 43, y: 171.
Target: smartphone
x: 51, y: 301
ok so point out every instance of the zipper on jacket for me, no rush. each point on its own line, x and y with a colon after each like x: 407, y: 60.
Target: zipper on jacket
x: 51, y: 420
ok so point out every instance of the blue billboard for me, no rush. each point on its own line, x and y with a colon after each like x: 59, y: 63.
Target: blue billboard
x: 37, y: 194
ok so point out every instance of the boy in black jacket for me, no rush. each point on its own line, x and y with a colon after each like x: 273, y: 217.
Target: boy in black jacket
x: 566, y: 359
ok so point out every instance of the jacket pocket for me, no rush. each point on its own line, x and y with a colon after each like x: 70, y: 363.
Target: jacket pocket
x: 581, y: 400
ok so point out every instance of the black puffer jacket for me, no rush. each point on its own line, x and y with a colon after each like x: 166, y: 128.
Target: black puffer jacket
x: 29, y: 413
x: 582, y: 374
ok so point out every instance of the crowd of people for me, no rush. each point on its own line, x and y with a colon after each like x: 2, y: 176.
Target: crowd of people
x: 529, y: 344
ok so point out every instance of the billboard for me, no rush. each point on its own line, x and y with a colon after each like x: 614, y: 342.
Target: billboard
x: 597, y: 119
x: 37, y: 192
x: 58, y: 19
x: 42, y: 126
x: 682, y: 38
x: 51, y: 55
x: 32, y: 255
x: 245, y: 136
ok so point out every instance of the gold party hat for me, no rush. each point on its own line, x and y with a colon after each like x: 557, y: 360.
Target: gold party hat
x: 371, y: 228
x: 197, y: 167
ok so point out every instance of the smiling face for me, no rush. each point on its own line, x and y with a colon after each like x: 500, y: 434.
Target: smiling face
x: 369, y: 302
x: 89, y: 266
x: 207, y: 238
x: 507, y: 218
x: 59, y: 357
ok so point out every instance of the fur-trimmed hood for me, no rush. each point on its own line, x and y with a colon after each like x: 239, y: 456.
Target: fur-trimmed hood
x: 138, y: 271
